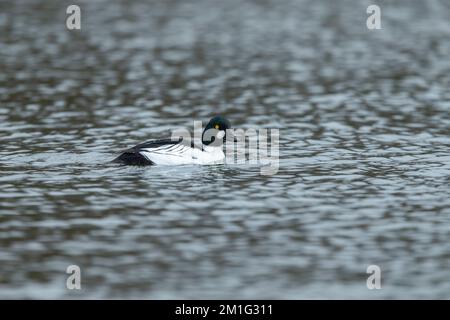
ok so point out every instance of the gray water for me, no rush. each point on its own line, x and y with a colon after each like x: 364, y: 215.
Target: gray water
x: 364, y: 149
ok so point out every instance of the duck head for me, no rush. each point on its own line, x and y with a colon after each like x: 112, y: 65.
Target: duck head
x: 215, y: 132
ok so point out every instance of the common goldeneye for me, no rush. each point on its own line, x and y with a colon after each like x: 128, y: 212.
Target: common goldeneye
x: 175, y: 152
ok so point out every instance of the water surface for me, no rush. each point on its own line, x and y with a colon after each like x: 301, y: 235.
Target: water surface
x: 364, y: 149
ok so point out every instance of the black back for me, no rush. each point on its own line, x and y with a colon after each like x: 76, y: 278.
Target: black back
x: 132, y: 156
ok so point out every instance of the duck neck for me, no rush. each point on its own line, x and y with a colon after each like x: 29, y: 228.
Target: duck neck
x: 213, y: 149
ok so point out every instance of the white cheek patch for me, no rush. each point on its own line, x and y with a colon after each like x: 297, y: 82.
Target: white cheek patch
x: 221, y: 134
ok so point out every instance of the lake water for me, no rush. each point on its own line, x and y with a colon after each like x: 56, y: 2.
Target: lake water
x: 364, y: 168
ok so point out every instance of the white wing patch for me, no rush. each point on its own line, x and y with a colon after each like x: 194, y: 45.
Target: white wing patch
x: 174, y: 154
x: 170, y: 154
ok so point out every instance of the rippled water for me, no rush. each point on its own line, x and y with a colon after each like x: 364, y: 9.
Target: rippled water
x: 364, y: 149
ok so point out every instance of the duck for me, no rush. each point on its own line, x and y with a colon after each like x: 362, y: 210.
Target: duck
x: 179, y: 151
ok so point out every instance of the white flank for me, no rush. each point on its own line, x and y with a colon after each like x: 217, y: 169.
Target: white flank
x: 181, y: 154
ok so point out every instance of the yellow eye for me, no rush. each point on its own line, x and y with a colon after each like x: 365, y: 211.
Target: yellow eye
x: 216, y: 126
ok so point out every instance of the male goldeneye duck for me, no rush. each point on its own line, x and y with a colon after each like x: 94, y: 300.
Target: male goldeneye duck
x: 173, y: 152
